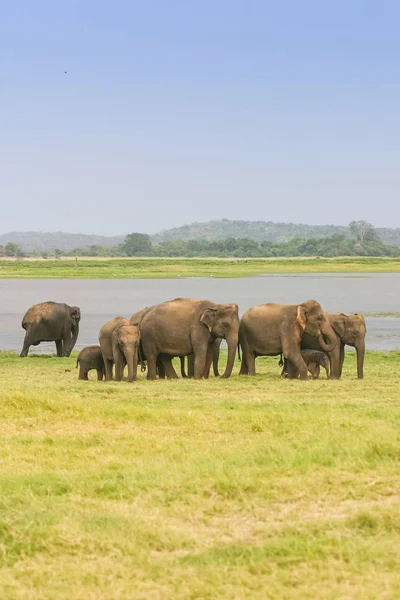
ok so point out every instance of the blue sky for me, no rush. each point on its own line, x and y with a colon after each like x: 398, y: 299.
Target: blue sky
x: 179, y: 111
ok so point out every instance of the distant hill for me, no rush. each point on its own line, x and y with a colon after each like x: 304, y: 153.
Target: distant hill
x: 209, y: 231
x: 47, y: 242
x: 260, y: 231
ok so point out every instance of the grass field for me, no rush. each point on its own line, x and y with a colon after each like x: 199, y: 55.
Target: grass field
x: 137, y: 268
x: 247, y: 488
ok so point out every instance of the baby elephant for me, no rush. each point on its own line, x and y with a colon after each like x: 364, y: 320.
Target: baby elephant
x: 314, y: 360
x: 90, y: 358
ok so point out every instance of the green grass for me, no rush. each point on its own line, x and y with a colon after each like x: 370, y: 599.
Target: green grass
x: 247, y: 488
x: 137, y: 268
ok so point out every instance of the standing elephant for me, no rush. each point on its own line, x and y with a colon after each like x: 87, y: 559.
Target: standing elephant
x: 187, y: 326
x: 165, y: 367
x: 314, y: 359
x: 272, y: 329
x: 119, y: 343
x: 348, y: 329
x: 90, y: 358
x: 51, y: 322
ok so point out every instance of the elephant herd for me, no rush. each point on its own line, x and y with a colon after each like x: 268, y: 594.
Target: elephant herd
x: 303, y: 335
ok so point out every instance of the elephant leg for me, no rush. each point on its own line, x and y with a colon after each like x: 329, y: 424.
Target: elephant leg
x: 200, y: 348
x: 108, y: 365
x: 215, y: 362
x: 26, y: 346
x: 169, y: 369
x: 291, y: 371
x: 190, y: 360
x: 341, y: 359
x: 152, y: 365
x: 314, y: 369
x: 334, y: 360
x: 183, y: 372
x: 59, y: 347
x: 296, y: 364
x: 161, y: 369
x: 248, y: 366
x: 83, y: 372
x: 244, y: 369
x: 99, y: 375
x: 209, y: 359
x: 284, y: 372
x: 66, y: 344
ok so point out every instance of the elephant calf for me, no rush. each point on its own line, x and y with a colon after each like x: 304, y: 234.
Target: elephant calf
x: 314, y: 359
x: 119, y: 342
x: 90, y: 358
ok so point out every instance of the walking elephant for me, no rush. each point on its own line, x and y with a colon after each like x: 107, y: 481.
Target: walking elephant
x: 51, y: 322
x: 185, y: 326
x: 348, y: 329
x: 119, y: 343
x: 273, y: 329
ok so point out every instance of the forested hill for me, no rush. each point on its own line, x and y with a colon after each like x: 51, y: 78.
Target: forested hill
x: 210, y: 231
x: 261, y: 231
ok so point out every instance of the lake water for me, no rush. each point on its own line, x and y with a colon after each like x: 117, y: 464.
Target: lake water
x: 103, y: 299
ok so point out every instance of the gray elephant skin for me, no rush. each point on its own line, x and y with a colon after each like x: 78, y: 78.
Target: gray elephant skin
x: 190, y: 362
x: 272, y: 329
x: 51, y: 322
x: 348, y: 330
x: 164, y: 363
x: 314, y: 359
x: 90, y: 358
x: 185, y: 326
x: 119, y: 343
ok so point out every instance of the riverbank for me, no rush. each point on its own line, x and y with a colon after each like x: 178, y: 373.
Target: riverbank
x: 161, y: 268
x: 237, y: 488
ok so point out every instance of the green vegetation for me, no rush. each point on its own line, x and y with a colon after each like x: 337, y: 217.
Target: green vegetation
x: 261, y: 231
x: 215, y: 238
x: 138, y: 268
x: 247, y: 488
x: 139, y: 244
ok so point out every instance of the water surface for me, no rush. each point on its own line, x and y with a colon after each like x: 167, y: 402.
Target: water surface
x: 103, y: 299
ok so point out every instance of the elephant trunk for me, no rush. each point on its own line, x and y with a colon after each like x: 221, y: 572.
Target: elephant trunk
x: 131, y: 357
x: 74, y: 337
x: 232, y: 342
x: 360, y: 348
x: 328, y: 332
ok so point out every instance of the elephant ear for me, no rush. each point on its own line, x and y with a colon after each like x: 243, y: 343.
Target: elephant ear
x: 75, y: 313
x: 208, y: 318
x: 301, y: 317
x: 339, y: 325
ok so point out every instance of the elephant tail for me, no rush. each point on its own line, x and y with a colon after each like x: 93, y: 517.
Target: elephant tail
x: 77, y: 363
x: 280, y: 363
x: 238, y: 347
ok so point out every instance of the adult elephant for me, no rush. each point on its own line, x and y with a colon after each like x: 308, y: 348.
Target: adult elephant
x: 51, y: 322
x: 119, y: 343
x: 185, y: 326
x: 273, y: 329
x: 349, y: 330
x: 165, y: 367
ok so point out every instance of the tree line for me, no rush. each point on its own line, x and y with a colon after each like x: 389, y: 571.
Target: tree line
x: 364, y: 242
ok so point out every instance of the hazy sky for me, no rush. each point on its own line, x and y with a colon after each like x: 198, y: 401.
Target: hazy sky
x: 175, y: 111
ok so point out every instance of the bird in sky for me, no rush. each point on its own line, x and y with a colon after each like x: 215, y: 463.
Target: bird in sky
x: 65, y: 72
